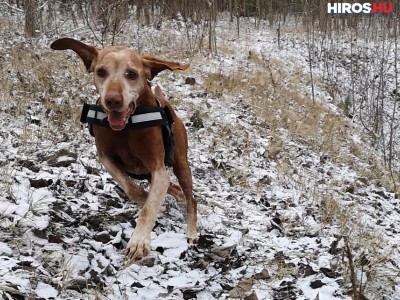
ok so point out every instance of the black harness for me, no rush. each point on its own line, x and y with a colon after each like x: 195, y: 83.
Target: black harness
x: 142, y: 117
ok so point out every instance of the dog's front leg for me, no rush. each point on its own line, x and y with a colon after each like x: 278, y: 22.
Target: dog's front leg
x: 139, y: 244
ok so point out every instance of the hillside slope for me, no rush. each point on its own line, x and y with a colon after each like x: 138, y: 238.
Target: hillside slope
x: 284, y: 191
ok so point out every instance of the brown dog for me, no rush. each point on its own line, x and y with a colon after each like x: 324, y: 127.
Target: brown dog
x: 121, y: 78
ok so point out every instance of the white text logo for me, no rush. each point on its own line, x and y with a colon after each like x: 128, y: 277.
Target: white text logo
x: 358, y: 8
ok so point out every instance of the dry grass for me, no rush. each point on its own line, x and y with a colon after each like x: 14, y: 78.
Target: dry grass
x: 275, y: 97
x: 43, y: 91
x: 372, y: 256
x: 280, y: 98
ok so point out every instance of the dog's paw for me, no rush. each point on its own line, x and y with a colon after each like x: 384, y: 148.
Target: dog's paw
x: 192, y: 240
x: 191, y: 234
x: 138, y: 247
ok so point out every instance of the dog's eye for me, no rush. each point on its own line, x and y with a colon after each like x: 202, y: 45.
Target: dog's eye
x: 101, y: 72
x: 132, y: 75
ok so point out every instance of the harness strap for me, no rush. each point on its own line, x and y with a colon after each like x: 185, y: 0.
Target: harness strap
x: 146, y: 116
x: 142, y: 117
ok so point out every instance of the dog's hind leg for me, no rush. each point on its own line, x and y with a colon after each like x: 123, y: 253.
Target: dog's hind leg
x: 184, y: 175
x: 176, y: 191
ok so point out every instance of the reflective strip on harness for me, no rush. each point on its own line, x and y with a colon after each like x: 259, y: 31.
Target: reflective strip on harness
x: 99, y: 115
x: 147, y: 117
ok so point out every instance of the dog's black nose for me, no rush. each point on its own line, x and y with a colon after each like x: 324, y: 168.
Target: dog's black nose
x: 113, y: 100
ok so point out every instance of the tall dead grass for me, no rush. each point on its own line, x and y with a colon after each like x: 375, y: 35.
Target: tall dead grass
x: 43, y: 90
x: 283, y: 100
x: 371, y: 254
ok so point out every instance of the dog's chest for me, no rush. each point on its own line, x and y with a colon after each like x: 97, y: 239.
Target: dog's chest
x: 131, y: 164
x: 137, y: 151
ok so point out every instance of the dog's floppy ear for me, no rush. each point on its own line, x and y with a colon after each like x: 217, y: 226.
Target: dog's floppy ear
x: 153, y: 66
x: 87, y: 53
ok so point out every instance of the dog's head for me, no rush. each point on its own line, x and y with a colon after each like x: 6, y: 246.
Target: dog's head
x: 120, y: 76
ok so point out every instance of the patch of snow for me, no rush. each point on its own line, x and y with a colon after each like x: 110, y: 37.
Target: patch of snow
x: 46, y: 291
x: 5, y: 249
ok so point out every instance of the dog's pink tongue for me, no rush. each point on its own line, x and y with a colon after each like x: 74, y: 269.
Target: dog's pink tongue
x: 116, y: 119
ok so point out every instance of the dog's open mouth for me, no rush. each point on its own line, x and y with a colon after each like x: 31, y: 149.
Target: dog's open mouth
x: 118, y: 119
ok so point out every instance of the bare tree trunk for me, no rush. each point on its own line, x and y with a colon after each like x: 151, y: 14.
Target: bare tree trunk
x: 146, y: 12
x: 139, y: 6
x: 30, y: 20
x: 310, y: 46
x: 270, y: 14
x: 212, y: 38
x: 323, y: 15
x: 237, y: 10
x: 258, y: 14
x: 231, y: 10
x: 394, y: 111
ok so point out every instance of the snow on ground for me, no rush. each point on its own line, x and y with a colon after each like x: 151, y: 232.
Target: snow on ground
x: 273, y: 227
